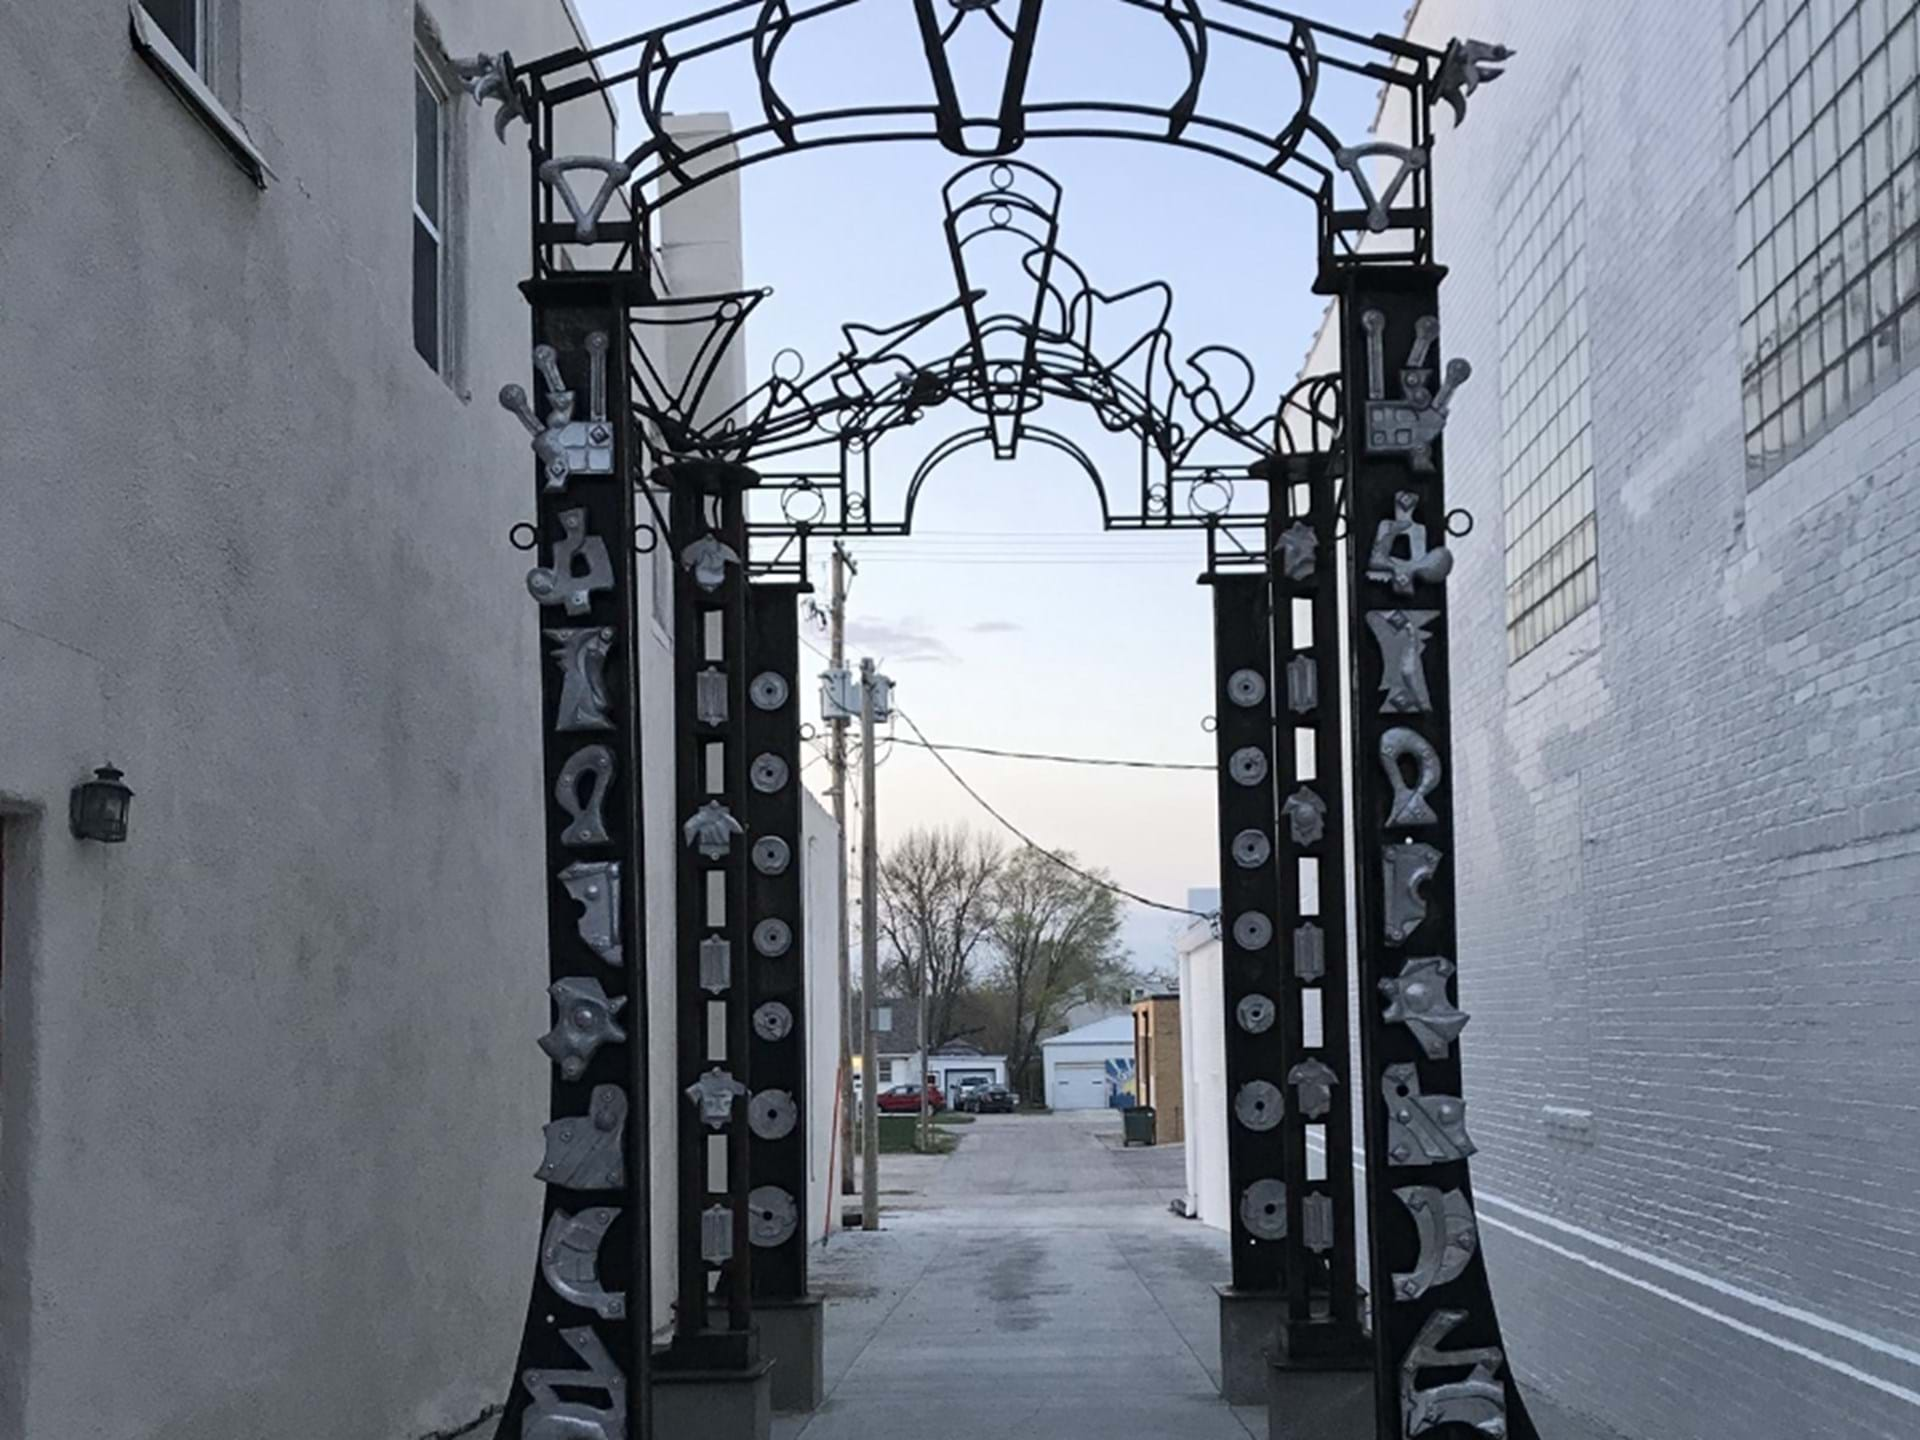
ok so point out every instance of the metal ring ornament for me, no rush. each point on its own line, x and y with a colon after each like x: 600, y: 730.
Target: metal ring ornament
x: 1259, y: 1106
x: 1255, y: 1014
x: 1208, y: 485
x: 1252, y: 930
x: 652, y: 537
x: 771, y: 1114
x: 773, y: 937
x: 533, y: 536
x: 789, y: 502
x: 1263, y: 1210
x: 771, y: 855
x: 768, y: 691
x: 1251, y: 849
x: 772, y: 1217
x: 1246, y: 688
x: 1209, y: 723
x: 773, y: 1021
x: 1465, y: 527
x: 768, y: 773
x: 1247, y: 765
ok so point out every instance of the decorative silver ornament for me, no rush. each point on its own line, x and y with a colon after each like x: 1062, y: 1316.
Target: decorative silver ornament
x: 585, y: 1022
x: 708, y: 559
x: 713, y: 1095
x: 549, y: 1417
x: 1303, y: 684
x: 1309, y: 952
x: 1263, y: 1210
x: 1251, y: 849
x: 716, y: 1234
x: 771, y: 855
x: 1252, y: 930
x: 1408, y: 867
x: 1417, y: 998
x: 1316, y: 1221
x: 595, y: 762
x: 1403, y: 637
x: 1306, y: 816
x: 1467, y: 65
x: 1246, y: 688
x: 773, y: 1021
x: 1353, y: 158
x: 570, y: 1260
x: 716, y: 964
x: 1313, y: 1081
x: 1448, y: 1238
x: 710, y: 696
x: 1478, y: 1402
x: 586, y: 214
x: 1419, y: 564
x: 584, y: 1151
x: 1255, y: 1014
x: 1298, y: 548
x: 1411, y: 425
x: 1410, y: 801
x: 768, y: 690
x: 558, y: 584
x: 594, y: 885
x: 772, y: 1217
x: 1247, y: 765
x: 490, y: 77
x: 1422, y: 1129
x: 581, y: 655
x: 771, y: 1114
x: 768, y: 773
x: 564, y: 446
x: 711, y: 829
x: 773, y: 937
x: 1259, y: 1105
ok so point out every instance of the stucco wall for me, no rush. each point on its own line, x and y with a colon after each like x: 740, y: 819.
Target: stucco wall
x: 1687, y: 846
x: 820, y: 844
x: 1203, y: 1075
x: 269, y: 1100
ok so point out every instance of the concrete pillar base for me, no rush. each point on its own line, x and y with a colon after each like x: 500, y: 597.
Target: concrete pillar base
x: 1248, y: 1322
x: 715, y: 1404
x: 1319, y: 1404
x: 792, y: 1336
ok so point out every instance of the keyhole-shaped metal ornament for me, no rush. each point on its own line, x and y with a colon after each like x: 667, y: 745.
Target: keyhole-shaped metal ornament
x: 595, y: 764
x: 1410, y: 801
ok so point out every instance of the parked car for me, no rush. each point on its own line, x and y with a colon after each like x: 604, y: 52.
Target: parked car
x: 907, y: 1098
x: 992, y: 1100
x: 969, y: 1086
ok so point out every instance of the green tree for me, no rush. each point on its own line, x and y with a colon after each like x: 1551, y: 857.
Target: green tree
x: 937, y: 909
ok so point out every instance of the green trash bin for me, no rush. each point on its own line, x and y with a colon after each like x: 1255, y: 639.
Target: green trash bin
x: 1138, y: 1123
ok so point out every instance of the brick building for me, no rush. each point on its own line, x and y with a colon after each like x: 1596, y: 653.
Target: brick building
x: 1156, y: 1065
x: 1686, y: 650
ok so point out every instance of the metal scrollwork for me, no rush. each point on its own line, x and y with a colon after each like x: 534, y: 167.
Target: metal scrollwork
x: 551, y: 1418
x: 1410, y: 801
x: 594, y: 885
x: 772, y: 1217
x: 713, y: 1095
x: 585, y: 1023
x: 1448, y: 1238
x: 570, y: 1260
x: 581, y: 655
x: 583, y: 1151
x: 711, y: 829
x: 1259, y: 1105
x: 1263, y: 1210
x: 1407, y: 868
x: 595, y: 764
x: 1417, y: 998
x: 1412, y: 424
x: 1422, y: 1129
x: 1403, y: 673
x: 1419, y: 564
x: 1306, y: 816
x: 558, y: 584
x: 771, y: 1114
x: 1479, y: 1401
x: 1313, y: 1082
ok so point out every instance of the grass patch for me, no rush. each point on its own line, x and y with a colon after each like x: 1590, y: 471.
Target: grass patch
x: 897, y: 1136
x: 952, y: 1117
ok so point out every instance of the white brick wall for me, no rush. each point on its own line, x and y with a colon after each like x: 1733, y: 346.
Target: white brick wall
x: 1689, y: 829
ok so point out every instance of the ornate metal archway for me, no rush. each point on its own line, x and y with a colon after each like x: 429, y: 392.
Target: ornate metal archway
x: 738, y: 487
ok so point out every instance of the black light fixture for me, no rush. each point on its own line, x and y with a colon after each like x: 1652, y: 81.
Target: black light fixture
x: 97, y: 809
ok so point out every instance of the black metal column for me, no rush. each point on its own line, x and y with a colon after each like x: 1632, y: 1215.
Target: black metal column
x: 1440, y: 1366
x: 585, y: 1352
x: 713, y: 1320
x: 778, y: 1224
x: 1250, y: 944
x: 1321, y: 1327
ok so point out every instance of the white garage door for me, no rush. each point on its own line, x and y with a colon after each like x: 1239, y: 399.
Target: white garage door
x: 1079, y: 1085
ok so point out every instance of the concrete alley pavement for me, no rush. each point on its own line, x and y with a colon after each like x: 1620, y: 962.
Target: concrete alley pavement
x: 1031, y: 1286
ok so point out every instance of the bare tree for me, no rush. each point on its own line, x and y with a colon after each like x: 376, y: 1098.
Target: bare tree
x: 937, y: 908
x: 1057, y: 938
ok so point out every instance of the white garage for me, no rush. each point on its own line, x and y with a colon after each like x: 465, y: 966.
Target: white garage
x: 1092, y: 1067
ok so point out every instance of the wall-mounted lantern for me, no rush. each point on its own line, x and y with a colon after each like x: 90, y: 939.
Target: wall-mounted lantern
x: 97, y: 809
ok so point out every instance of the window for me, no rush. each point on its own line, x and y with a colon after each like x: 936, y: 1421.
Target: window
x: 184, y: 22
x: 886, y: 1072
x: 1826, y: 113
x: 1546, y: 444
x: 429, y: 215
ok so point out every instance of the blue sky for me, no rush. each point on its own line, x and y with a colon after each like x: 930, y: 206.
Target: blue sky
x: 1010, y: 619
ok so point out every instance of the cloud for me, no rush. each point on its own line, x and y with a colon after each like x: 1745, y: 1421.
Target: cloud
x: 905, y: 642
x: 995, y: 627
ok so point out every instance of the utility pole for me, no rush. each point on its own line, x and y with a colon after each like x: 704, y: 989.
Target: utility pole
x: 869, y: 963
x: 837, y: 761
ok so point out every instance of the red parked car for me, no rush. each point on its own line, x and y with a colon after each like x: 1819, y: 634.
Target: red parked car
x: 907, y: 1097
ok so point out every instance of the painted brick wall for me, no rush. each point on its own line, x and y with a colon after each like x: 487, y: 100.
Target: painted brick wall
x: 1689, y: 867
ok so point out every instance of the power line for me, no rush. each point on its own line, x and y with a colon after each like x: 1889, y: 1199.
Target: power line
x: 1058, y: 759
x: 1028, y: 840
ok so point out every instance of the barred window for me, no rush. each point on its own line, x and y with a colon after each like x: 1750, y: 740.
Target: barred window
x: 1546, y: 446
x: 1825, y: 109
